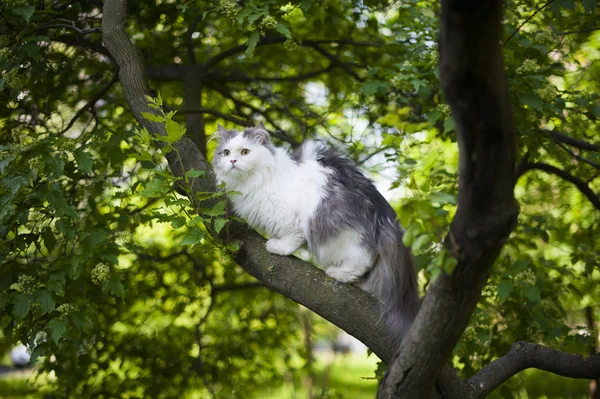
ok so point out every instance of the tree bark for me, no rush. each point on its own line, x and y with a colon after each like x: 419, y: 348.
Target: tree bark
x: 473, y: 80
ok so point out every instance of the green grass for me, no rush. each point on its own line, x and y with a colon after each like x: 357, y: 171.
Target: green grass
x: 347, y: 376
x: 537, y: 384
x: 18, y: 387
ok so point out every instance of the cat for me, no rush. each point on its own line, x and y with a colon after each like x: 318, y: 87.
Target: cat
x: 319, y: 198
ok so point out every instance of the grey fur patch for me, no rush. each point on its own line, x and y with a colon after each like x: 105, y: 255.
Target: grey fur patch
x: 260, y: 136
x: 352, y: 201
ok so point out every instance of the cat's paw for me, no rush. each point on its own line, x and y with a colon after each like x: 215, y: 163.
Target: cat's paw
x: 281, y: 246
x: 342, y: 275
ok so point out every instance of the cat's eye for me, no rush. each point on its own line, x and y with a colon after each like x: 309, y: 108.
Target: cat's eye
x: 245, y: 151
x: 226, y: 152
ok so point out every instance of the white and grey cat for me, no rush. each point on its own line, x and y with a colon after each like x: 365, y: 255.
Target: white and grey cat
x: 317, y: 197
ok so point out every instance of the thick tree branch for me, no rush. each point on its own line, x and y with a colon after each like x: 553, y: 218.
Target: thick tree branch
x: 525, y: 355
x: 472, y: 74
x: 580, y: 184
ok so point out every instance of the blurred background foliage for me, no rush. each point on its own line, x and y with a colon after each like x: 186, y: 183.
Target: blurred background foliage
x: 117, y: 296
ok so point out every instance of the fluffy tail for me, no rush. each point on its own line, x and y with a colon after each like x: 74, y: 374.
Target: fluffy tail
x: 393, y: 280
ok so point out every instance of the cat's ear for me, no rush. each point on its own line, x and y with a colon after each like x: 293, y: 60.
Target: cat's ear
x: 259, y: 134
x: 224, y: 134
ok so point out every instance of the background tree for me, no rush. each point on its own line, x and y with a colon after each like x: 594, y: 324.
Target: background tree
x: 137, y: 296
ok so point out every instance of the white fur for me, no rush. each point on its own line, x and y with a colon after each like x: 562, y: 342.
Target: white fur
x: 280, y: 197
x: 277, y: 195
x: 345, y: 257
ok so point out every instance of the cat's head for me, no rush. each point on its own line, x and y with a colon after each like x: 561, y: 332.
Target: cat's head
x: 240, y: 154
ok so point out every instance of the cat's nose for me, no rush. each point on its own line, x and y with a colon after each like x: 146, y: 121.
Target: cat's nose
x: 233, y: 161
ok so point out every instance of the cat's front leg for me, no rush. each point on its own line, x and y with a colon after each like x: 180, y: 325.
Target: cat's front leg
x: 285, y: 245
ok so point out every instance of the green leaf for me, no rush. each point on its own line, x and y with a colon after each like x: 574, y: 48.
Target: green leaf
x: 193, y: 236
x: 305, y: 6
x: 195, y: 173
x: 77, y: 263
x: 217, y: 210
x: 22, y: 305
x: 94, y: 238
x: 57, y: 200
x: 371, y: 87
x: 115, y: 287
x: 449, y: 125
x: 219, y: 224
x: 49, y: 238
x: 284, y: 30
x: 153, y: 117
x: 177, y: 222
x: 450, y: 263
x: 532, y: 101
x: 420, y: 242
x: 433, y: 117
x: 56, y: 282
x: 46, y: 301
x: 40, y: 350
x: 155, y: 188
x: 57, y: 329
x: 174, y: 131
x: 532, y: 293
x: 252, y: 42
x: 504, y: 289
x: 442, y: 198
x: 23, y: 11
x: 32, y: 50
x: 84, y: 159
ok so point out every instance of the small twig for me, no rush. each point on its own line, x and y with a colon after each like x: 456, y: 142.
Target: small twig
x: 580, y: 184
x: 576, y: 156
x: 527, y: 20
x: 92, y: 101
x: 72, y: 27
x: 571, y: 32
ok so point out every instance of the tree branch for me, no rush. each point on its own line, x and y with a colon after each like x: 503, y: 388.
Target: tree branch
x: 580, y: 184
x: 525, y: 355
x: 238, y: 76
x: 280, y: 39
x: 345, y: 305
x: 472, y: 75
x: 581, y: 144
x: 336, y: 61
x: 92, y: 102
x: 189, y: 40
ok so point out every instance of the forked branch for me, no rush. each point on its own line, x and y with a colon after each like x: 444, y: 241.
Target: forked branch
x: 525, y: 355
